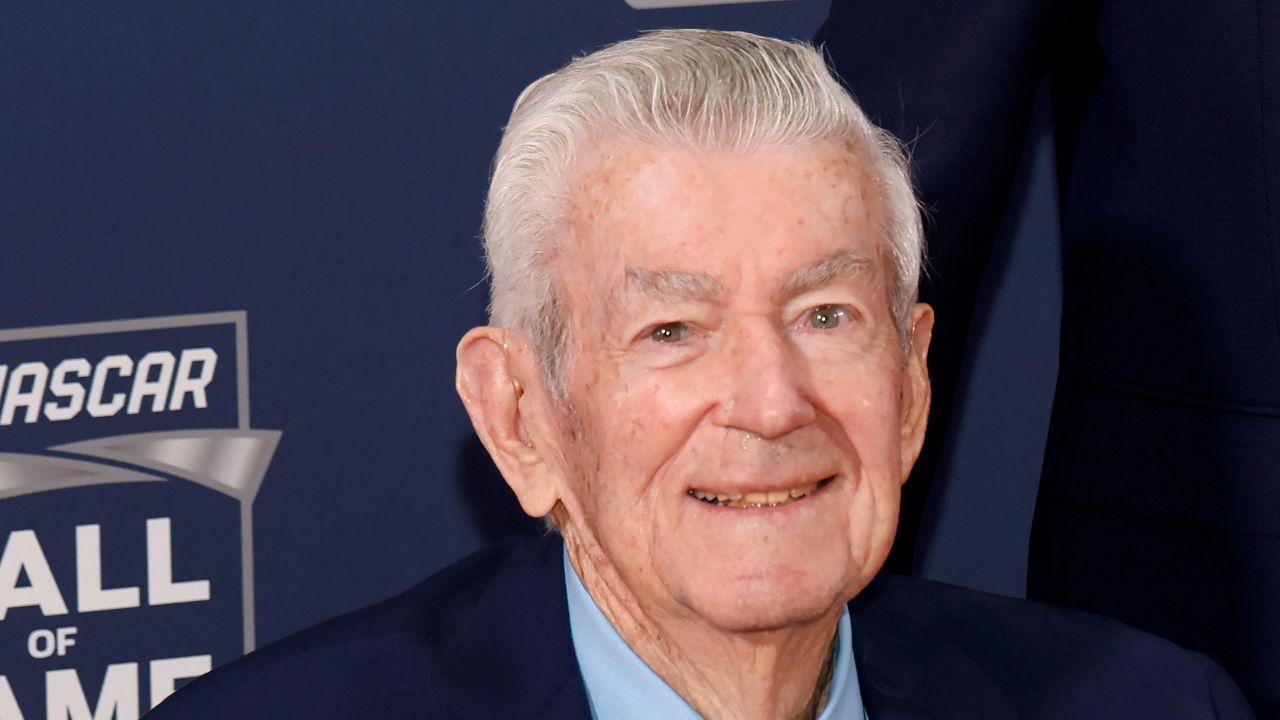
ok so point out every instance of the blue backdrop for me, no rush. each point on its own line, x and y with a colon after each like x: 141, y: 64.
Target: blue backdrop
x: 282, y: 201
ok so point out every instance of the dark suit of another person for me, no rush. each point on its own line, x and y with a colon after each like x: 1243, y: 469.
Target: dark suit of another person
x: 1160, y: 498
x: 489, y: 638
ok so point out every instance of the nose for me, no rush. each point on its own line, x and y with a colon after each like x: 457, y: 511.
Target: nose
x: 764, y: 385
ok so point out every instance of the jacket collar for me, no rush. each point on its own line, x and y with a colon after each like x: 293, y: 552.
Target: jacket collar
x: 514, y: 656
x: 905, y: 671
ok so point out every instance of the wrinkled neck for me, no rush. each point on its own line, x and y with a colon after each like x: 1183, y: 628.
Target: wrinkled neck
x: 780, y: 673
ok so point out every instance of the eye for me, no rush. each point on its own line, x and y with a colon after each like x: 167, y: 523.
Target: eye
x: 826, y: 317
x: 669, y: 332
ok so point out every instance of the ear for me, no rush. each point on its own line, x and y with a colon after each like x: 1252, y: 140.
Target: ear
x: 916, y: 392
x: 496, y: 370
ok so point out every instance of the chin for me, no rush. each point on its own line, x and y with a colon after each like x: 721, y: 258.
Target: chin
x: 763, y: 604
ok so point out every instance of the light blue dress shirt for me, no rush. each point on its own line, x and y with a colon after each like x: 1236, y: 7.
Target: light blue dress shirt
x: 621, y: 687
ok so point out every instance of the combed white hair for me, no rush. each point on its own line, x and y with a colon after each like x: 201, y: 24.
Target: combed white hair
x: 697, y: 88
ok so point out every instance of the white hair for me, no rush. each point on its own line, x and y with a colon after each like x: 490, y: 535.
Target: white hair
x: 703, y: 89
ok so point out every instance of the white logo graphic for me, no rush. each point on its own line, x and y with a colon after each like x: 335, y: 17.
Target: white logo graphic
x: 128, y: 472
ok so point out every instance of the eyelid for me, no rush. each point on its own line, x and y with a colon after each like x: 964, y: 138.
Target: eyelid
x: 677, y: 330
x: 646, y: 333
x: 697, y: 320
x: 852, y: 315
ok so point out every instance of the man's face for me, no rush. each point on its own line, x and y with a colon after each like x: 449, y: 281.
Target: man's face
x: 740, y: 416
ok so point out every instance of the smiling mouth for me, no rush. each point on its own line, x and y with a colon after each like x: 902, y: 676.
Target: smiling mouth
x: 750, y: 500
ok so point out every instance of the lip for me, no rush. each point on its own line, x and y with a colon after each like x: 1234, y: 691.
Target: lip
x: 756, y: 498
x: 731, y: 486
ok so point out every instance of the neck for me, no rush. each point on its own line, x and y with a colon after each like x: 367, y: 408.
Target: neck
x: 764, y: 675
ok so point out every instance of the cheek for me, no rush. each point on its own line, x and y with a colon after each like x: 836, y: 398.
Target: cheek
x: 864, y: 398
x: 658, y: 408
x: 636, y: 427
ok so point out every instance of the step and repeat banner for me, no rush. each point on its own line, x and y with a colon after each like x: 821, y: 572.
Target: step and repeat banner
x: 238, y: 243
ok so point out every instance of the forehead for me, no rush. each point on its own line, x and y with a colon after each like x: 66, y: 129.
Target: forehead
x: 718, y: 212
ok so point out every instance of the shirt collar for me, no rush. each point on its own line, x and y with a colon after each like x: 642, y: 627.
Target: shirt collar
x: 620, y: 686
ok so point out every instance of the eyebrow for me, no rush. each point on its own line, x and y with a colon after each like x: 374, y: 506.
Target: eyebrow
x: 843, y: 265
x: 682, y: 286
x: 674, y: 285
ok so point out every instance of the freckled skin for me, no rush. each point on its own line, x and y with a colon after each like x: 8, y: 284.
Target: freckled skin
x: 751, y: 397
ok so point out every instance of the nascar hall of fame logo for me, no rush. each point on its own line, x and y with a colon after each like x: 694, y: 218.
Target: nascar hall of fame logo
x: 128, y: 470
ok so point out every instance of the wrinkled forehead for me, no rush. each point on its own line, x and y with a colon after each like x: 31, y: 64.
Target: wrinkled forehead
x: 673, y: 207
x: 609, y: 169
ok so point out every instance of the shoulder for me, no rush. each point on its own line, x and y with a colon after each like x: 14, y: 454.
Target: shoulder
x: 410, y: 655
x: 1042, y: 660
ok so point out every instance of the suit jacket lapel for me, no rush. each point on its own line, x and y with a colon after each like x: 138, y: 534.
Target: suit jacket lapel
x: 570, y: 702
x: 516, y: 658
x: 905, y: 672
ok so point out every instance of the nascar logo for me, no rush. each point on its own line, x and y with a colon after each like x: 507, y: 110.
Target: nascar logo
x: 161, y: 381
x: 128, y: 470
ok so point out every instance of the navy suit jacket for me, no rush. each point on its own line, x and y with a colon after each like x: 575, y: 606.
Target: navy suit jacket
x: 489, y: 638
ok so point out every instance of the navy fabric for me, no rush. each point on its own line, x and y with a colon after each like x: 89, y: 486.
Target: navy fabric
x: 489, y: 638
x: 1159, y: 502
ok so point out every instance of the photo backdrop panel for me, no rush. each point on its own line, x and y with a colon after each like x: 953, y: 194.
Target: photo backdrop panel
x: 238, y: 245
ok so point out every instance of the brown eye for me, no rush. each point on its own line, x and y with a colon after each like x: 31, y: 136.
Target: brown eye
x: 826, y: 317
x: 668, y: 332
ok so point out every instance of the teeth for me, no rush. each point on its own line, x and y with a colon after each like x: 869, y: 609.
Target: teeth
x: 757, y: 499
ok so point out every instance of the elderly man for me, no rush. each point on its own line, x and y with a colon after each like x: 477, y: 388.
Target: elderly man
x: 707, y: 369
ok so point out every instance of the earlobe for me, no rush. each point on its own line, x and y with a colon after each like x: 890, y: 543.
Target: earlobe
x: 491, y: 380
x: 916, y: 388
